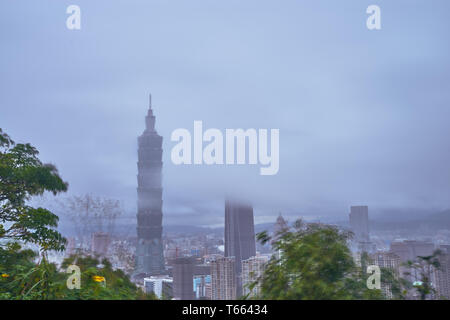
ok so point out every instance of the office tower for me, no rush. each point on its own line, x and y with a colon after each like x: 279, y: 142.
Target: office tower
x: 391, y: 261
x: 359, y: 223
x: 149, y: 251
x: 239, y: 236
x: 183, y: 274
x: 223, y: 279
x: 161, y: 286
x: 99, y: 243
x: 252, y: 271
x: 201, y: 283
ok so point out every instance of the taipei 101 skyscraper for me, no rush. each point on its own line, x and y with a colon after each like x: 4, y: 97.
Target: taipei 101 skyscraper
x: 149, y: 250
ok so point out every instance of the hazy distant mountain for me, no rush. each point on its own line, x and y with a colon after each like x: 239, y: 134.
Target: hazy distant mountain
x: 435, y: 221
x: 384, y: 221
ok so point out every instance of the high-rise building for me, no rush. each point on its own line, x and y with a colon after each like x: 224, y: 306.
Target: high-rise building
x: 359, y: 223
x: 239, y: 236
x: 223, y: 279
x: 252, y: 271
x: 183, y: 274
x: 100, y: 243
x: 149, y: 251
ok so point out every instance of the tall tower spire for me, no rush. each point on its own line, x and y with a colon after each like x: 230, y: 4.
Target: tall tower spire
x: 149, y: 251
x: 150, y: 118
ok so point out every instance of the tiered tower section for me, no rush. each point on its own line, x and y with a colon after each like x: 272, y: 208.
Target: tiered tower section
x: 149, y: 251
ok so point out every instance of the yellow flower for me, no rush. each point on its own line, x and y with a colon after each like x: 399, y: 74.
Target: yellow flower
x: 4, y: 275
x: 98, y: 278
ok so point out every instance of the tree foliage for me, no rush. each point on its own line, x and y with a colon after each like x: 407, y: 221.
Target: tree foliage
x: 23, y: 175
x: 28, y: 280
x: 313, y: 263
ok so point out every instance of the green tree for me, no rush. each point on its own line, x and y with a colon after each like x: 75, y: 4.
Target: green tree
x: 116, y: 286
x: 23, y: 175
x: 313, y: 263
x: 44, y: 281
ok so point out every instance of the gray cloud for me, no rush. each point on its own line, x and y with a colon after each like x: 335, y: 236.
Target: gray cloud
x: 363, y: 115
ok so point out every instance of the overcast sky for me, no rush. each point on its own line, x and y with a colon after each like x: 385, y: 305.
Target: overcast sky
x: 363, y: 115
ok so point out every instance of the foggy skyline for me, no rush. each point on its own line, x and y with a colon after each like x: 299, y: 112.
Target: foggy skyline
x: 363, y: 115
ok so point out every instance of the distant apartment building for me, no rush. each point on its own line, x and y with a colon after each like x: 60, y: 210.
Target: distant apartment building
x: 239, y: 236
x: 161, y: 286
x: 202, y: 281
x: 100, y: 243
x: 442, y: 275
x: 183, y: 274
x: 252, y: 271
x: 223, y: 279
x: 409, y: 250
x: 391, y: 261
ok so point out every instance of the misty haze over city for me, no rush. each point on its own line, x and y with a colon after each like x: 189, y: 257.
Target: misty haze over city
x: 363, y: 117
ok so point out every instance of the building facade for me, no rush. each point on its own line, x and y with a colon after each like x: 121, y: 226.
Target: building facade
x: 202, y: 287
x: 183, y: 274
x: 100, y: 243
x: 223, y: 279
x: 252, y: 271
x: 161, y: 286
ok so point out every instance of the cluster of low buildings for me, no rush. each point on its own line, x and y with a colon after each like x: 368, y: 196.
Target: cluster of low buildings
x: 396, y: 255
